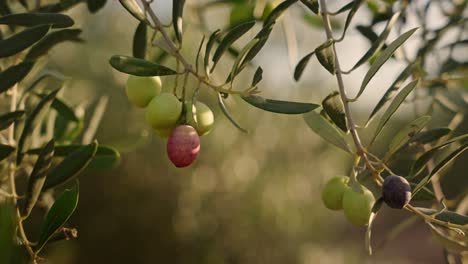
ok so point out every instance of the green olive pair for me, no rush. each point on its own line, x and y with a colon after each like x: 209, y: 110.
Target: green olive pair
x: 356, y: 205
x: 163, y: 110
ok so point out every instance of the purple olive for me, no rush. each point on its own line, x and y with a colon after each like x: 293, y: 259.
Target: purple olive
x: 396, y: 191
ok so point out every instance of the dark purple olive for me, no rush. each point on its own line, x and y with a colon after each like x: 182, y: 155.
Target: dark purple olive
x: 396, y: 191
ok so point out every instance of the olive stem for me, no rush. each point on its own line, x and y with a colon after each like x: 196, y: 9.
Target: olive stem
x: 338, y: 72
x: 175, y: 52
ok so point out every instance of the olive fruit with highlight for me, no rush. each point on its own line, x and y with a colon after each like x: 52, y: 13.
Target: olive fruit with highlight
x: 183, y: 146
x: 141, y: 90
x: 163, y: 111
x: 357, y: 205
x: 332, y: 194
x: 396, y: 191
x: 204, y: 118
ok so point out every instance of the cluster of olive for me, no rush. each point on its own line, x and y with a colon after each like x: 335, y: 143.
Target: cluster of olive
x: 181, y: 122
x: 357, y: 201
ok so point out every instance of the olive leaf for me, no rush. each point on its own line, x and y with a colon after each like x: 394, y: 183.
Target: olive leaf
x: 50, y: 40
x: 258, y: 76
x: 95, y: 5
x: 139, y: 41
x: 334, y: 108
x: 237, y: 66
x: 375, y: 209
x: 177, y: 13
x: 326, y: 56
x: 58, y: 215
x: 281, y: 107
x: 134, y: 9
x: 209, y: 45
x: 228, y: 115
x: 313, y: 5
x: 14, y: 74
x: 277, y: 12
x: 35, y: 19
x: 301, y: 65
x: 9, y: 118
x: 6, y: 151
x: 354, y: 6
x: 446, y: 216
x: 139, y: 67
x: 326, y: 130
x: 22, y: 40
x: 38, y: 176
x: 431, y: 135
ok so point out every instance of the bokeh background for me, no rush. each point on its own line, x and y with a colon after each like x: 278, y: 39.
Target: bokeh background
x: 249, y: 198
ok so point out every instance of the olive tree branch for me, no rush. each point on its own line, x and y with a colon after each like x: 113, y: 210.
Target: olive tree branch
x: 361, y: 151
x: 175, y: 52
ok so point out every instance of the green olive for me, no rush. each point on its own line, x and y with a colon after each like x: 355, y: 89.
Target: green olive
x: 357, y: 205
x: 332, y: 194
x: 163, y: 111
x: 204, y: 118
x: 140, y: 90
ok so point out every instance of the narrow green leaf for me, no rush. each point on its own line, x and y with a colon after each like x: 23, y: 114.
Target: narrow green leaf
x: 177, y: 21
x: 277, y: 12
x: 405, y: 134
x: 326, y: 130
x: 313, y: 5
x: 326, y: 56
x: 262, y: 37
x: 134, y: 9
x: 139, y: 67
x: 32, y: 122
x: 334, y: 108
x: 5, y: 151
x: 440, y: 166
x: 231, y: 36
x: 38, y: 176
x: 209, y: 45
x: 384, y: 56
x: 301, y: 66
x: 431, y: 135
x: 379, y: 43
x: 281, y: 107
x: 405, y: 74
x: 237, y: 65
x: 258, y: 76
x: 140, y: 40
x: 22, y: 40
x: 49, y: 41
x: 421, y: 162
x: 71, y: 166
x: 95, y: 5
x: 423, y: 195
x: 35, y: 19
x: 9, y: 118
x: 375, y: 209
x: 58, y: 215
x: 228, y: 115
x: 450, y: 244
x: 64, y: 110
x: 394, y: 106
x: 346, y: 7
x: 446, y: 216
x: 354, y: 6
x: 368, y: 33
x: 13, y: 75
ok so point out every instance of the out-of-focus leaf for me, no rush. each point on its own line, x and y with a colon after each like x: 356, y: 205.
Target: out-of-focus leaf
x: 379, y: 43
x: 9, y: 118
x: 71, y: 166
x: 375, y: 209
x: 58, y: 215
x: 95, y: 5
x: 238, y: 63
x: 64, y: 110
x: 4, y: 8
x: 301, y: 66
x: 262, y: 37
x: 134, y: 9
x: 421, y: 162
x: 258, y: 76
x: 450, y: 244
x: 36, y: 19
x: 346, y: 7
x: 231, y: 36
x: 326, y: 130
x: 5, y: 151
x: 281, y: 107
x: 38, y: 176
x: 177, y: 21
x: 313, y: 5
x: 32, y: 121
x: 228, y: 115
x: 354, y: 6
x: 446, y: 216
x: 326, y: 56
x: 22, y: 40
x: 139, y: 67
x: 209, y: 45
x: 404, y: 135
x: 431, y: 135
x: 49, y: 41
x: 368, y: 33
x: 278, y: 11
x: 139, y: 41
x: 7, y: 227
x: 335, y: 110
x: 392, y: 89
x: 394, y: 105
x: 384, y: 56
x: 423, y: 195
x: 13, y: 75
x: 440, y: 166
